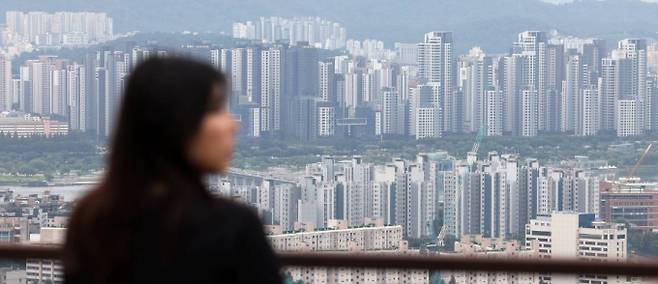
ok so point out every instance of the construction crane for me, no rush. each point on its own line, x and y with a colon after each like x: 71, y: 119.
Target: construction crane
x: 478, y: 139
x: 639, y: 161
x: 473, y: 154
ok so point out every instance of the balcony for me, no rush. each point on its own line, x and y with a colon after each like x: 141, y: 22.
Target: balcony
x: 646, y: 270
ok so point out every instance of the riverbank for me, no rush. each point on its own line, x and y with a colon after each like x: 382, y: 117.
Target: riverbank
x: 40, y: 180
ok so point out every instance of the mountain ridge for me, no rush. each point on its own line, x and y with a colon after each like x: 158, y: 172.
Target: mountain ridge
x: 492, y: 24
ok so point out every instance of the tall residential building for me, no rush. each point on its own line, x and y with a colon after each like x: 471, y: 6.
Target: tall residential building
x: 238, y: 76
x: 60, y: 28
x: 6, y: 97
x: 555, y: 59
x: 528, y: 113
x: 116, y: 72
x: 40, y: 80
x: 493, y: 113
x: 425, y: 111
x: 406, y: 53
x: 327, y: 81
x: 252, y: 74
x: 300, y: 92
x: 571, y: 93
x: 479, y: 78
x: 43, y: 86
x: 104, y: 92
x: 510, y: 81
x: 358, y: 182
x: 392, y: 112
x: 610, y: 85
x: 91, y: 102
x: 325, y: 115
x: 635, y: 50
x: 271, y: 87
x: 58, y: 99
x: 531, y: 50
x: 77, y: 96
x: 436, y: 64
x: 587, y: 112
x: 317, y: 32
x: 484, y: 198
x: 627, y: 120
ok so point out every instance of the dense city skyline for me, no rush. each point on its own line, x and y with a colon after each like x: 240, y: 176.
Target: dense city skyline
x: 283, y: 83
x: 305, y: 80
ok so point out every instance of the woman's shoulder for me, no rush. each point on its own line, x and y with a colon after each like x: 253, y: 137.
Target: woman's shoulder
x: 221, y: 211
x: 224, y: 219
x: 231, y: 208
x: 87, y: 204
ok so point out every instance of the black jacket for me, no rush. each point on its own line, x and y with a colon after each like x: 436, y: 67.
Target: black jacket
x: 218, y: 241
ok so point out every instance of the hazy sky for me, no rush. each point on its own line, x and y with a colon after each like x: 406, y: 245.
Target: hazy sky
x: 571, y: 1
x: 492, y: 24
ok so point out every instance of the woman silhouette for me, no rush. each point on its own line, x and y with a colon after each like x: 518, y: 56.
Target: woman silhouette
x: 152, y: 219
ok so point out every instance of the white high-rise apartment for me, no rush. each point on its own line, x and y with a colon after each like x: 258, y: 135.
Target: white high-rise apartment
x: 42, y: 84
x: 570, y: 93
x: 60, y: 28
x: 326, y: 82
x: 493, y: 115
x: 238, y: 74
x: 285, y: 206
x: 436, y: 64
x: 531, y: 49
x: 406, y: 53
x: 636, y: 51
x: 317, y: 32
x: 426, y: 112
x: 116, y: 66
x: 358, y: 184
x: 390, y: 109
x: 58, y: 98
x: 77, y: 96
x: 587, y: 123
x: 6, y: 98
x: 652, y: 57
x: 477, y: 77
x: 627, y: 120
x: 609, y: 90
x: 326, y: 119
x: 529, y: 113
x: 252, y: 73
x: 271, y: 89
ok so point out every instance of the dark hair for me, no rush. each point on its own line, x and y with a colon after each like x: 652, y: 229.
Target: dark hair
x: 162, y: 107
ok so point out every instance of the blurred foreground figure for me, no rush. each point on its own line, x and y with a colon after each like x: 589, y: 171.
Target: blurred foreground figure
x: 152, y: 220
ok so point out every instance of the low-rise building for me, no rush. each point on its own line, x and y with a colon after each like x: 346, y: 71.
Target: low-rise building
x: 25, y: 125
x: 46, y: 270
x: 366, y: 238
x: 631, y: 201
x: 380, y: 240
x: 566, y: 235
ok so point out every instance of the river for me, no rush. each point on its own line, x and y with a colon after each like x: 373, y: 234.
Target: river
x: 69, y: 192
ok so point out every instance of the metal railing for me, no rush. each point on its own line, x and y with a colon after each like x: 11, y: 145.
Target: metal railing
x: 336, y: 260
